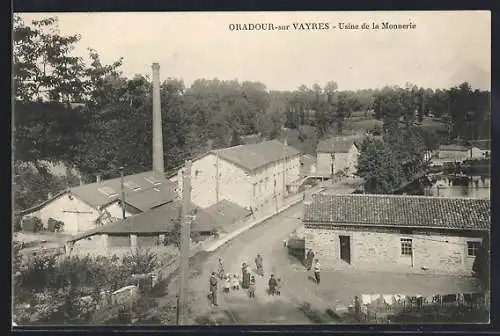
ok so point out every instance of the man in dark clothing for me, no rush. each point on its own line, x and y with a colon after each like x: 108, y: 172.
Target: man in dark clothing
x: 213, y: 289
x: 272, y: 285
x: 316, y: 271
x: 309, y: 259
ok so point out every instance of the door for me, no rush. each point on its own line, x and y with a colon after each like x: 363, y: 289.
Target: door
x: 345, y: 248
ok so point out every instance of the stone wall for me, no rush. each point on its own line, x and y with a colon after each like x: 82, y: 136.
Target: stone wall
x: 381, y: 250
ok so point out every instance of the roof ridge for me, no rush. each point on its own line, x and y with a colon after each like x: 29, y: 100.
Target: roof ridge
x: 402, y: 196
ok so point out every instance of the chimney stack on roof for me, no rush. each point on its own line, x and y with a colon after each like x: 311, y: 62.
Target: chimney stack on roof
x: 158, y: 164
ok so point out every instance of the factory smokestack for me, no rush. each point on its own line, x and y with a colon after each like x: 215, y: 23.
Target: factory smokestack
x: 158, y: 165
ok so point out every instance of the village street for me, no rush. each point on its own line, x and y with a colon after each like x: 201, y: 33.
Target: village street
x: 336, y: 288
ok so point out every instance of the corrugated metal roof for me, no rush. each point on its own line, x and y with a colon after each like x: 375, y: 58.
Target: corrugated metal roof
x: 400, y: 211
x: 254, y: 156
x: 146, y: 197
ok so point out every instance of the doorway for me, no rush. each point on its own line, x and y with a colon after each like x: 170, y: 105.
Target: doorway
x: 345, y: 248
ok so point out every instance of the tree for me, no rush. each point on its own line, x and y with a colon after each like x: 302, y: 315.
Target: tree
x: 43, y: 66
x: 381, y: 172
x: 481, y: 265
x: 235, y: 138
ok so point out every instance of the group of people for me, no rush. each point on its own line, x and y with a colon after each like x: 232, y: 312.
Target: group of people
x: 248, y: 282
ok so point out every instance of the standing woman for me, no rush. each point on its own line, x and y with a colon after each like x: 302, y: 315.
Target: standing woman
x: 244, y: 271
x: 316, y: 271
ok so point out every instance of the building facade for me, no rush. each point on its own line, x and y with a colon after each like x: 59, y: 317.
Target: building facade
x: 451, y: 154
x: 335, y: 155
x: 411, y: 234
x: 252, y: 176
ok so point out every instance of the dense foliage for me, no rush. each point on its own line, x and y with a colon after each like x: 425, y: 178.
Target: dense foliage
x: 49, y: 289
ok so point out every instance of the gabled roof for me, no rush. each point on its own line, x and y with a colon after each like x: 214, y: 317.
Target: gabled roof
x: 156, y: 221
x: 454, y: 148
x: 399, y: 211
x: 481, y: 144
x: 152, y: 190
x: 254, y: 156
x: 337, y: 144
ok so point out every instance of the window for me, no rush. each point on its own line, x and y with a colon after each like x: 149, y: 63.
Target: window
x: 131, y: 185
x: 108, y: 191
x: 406, y: 247
x: 472, y: 247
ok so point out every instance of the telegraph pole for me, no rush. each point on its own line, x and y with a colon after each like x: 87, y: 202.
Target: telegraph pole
x: 217, y: 178
x: 122, y: 198
x: 285, y: 145
x: 186, y: 220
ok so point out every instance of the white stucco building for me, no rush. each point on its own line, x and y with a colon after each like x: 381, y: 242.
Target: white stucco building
x: 337, y: 154
x: 254, y: 176
x: 89, y: 206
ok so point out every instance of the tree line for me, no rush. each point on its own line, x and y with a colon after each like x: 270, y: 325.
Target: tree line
x: 88, y: 115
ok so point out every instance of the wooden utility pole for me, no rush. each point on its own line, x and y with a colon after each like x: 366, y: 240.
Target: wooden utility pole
x: 122, y: 198
x: 217, y: 178
x: 285, y: 145
x: 186, y: 220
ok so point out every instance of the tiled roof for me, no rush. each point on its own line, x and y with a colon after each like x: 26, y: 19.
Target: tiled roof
x: 159, y: 220
x: 254, y: 156
x: 400, y: 211
x: 148, y: 196
x: 481, y: 144
x: 226, y: 213
x: 337, y: 144
x: 453, y: 148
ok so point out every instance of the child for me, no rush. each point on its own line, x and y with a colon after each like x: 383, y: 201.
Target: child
x: 251, y: 288
x: 227, y: 283
x: 278, y: 287
x: 235, y: 282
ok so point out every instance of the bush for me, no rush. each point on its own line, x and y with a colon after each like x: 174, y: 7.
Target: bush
x: 32, y: 224
x: 48, y: 290
x: 55, y: 225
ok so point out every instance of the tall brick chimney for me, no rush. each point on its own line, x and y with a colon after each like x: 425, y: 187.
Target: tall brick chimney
x: 158, y: 164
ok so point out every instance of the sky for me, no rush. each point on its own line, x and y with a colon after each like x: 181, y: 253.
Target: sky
x: 444, y: 49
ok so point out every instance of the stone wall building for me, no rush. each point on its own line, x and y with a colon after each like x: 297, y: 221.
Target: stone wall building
x: 413, y: 234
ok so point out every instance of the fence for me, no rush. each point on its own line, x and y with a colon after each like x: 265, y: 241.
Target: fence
x: 462, y: 307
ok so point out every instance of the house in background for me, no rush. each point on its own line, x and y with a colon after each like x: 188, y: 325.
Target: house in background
x: 88, y: 206
x: 411, y: 234
x: 451, y: 154
x: 480, y: 149
x: 337, y: 154
x: 254, y: 176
